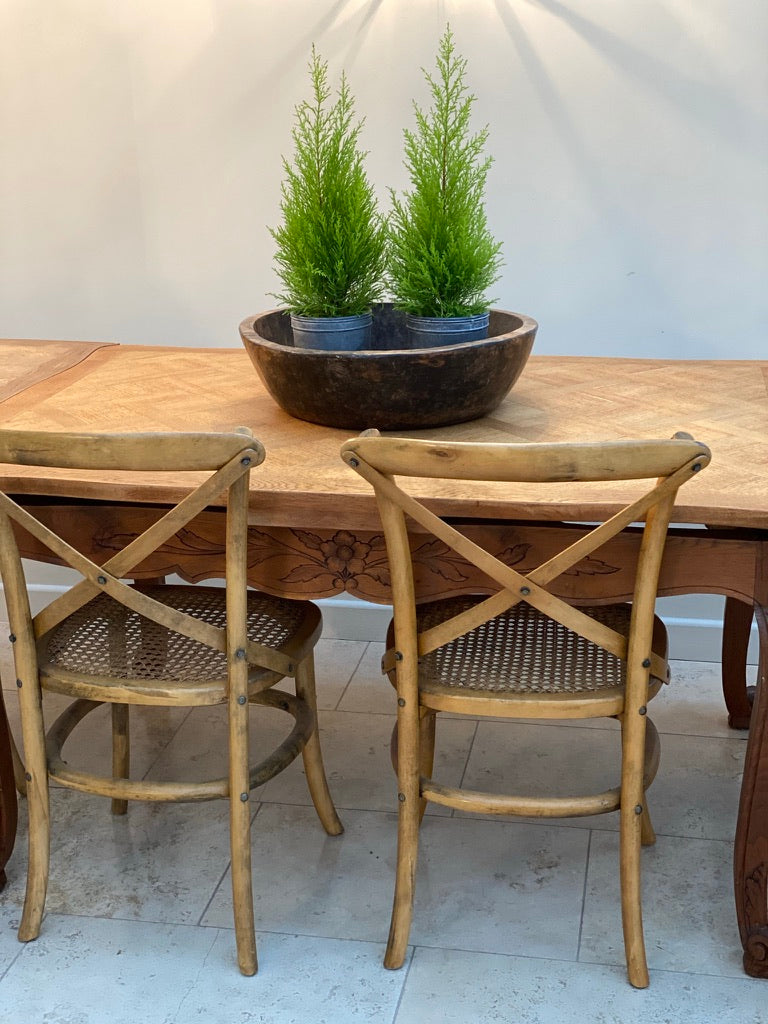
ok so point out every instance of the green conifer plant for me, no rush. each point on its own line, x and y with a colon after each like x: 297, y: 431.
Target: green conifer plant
x: 331, y: 244
x: 442, y: 257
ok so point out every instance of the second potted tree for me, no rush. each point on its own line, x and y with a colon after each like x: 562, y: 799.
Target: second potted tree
x: 443, y: 258
x: 331, y: 243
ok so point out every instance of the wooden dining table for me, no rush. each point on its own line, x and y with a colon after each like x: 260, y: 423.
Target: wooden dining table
x: 314, y: 530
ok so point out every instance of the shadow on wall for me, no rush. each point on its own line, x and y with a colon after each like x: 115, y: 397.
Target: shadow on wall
x: 701, y: 97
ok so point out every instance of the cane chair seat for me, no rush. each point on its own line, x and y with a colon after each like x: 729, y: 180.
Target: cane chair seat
x: 525, y: 651
x: 106, y: 639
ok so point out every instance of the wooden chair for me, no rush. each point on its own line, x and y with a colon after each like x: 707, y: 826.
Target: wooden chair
x: 105, y: 640
x: 523, y: 652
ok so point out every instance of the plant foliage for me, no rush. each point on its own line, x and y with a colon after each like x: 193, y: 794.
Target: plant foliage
x: 442, y: 256
x: 331, y: 244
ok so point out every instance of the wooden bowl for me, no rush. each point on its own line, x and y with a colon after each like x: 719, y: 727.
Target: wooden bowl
x: 389, y: 385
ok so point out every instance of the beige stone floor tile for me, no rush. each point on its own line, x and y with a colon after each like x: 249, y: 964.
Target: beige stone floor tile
x: 514, y: 921
x: 457, y: 987
x: 481, y: 885
x: 693, y: 702
x: 123, y: 972
x: 695, y: 793
x: 356, y: 750
x: 688, y: 910
x: 90, y: 745
x: 158, y: 862
x: 369, y: 690
x: 336, y: 661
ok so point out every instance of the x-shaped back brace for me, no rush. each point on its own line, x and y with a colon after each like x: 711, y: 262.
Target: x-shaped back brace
x: 106, y: 578
x: 517, y: 587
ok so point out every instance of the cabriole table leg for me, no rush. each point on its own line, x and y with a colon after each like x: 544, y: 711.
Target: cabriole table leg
x: 737, y: 623
x: 751, y: 849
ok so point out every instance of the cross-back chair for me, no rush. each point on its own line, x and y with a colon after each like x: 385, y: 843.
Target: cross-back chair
x: 523, y: 652
x: 105, y: 640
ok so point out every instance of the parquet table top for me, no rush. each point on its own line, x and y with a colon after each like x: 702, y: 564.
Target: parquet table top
x: 85, y: 386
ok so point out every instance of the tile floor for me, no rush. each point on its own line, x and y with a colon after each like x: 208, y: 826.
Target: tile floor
x: 516, y: 921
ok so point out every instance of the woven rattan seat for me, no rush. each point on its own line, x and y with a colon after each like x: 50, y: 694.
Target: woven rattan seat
x: 106, y: 641
x: 85, y: 642
x: 521, y: 651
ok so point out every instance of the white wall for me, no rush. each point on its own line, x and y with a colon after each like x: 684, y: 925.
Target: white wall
x: 141, y: 142
x: 140, y: 147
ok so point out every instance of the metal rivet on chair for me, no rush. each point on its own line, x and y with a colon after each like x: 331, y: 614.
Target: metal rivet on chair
x: 647, y: 663
x: 643, y: 710
x: 639, y: 809
x: 525, y: 590
x: 12, y: 638
x: 241, y: 699
x: 353, y: 462
x: 401, y: 701
x: 240, y: 654
x: 19, y: 683
x: 101, y: 579
x: 244, y: 797
x: 27, y: 776
x: 398, y: 656
x: 246, y: 461
x: 401, y: 797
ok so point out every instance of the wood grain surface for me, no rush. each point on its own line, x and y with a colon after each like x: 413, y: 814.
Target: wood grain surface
x: 26, y: 363
x: 304, y: 482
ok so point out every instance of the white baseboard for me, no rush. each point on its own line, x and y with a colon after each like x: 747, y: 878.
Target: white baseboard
x: 701, y: 640
x: 694, y: 623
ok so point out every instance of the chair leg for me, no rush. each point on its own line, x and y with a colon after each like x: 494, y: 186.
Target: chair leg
x: 121, y: 750
x: 240, y: 838
x: 427, y: 724
x: 36, y: 777
x: 635, y: 825
x: 409, y: 818
x: 647, y: 832
x: 631, y: 906
x: 312, y: 754
x: 650, y: 767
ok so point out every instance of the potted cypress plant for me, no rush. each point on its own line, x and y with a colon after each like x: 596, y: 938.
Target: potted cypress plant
x: 331, y: 243
x: 442, y: 257
x: 440, y: 260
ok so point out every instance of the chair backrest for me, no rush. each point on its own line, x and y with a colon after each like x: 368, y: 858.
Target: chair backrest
x: 226, y: 458
x: 669, y: 462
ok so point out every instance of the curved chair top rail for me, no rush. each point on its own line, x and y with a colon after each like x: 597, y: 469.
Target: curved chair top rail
x: 529, y: 463
x: 143, y: 452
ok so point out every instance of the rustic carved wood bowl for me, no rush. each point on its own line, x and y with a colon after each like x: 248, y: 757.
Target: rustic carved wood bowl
x: 389, y: 385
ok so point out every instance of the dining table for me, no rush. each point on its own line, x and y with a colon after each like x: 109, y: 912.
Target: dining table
x: 314, y: 530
